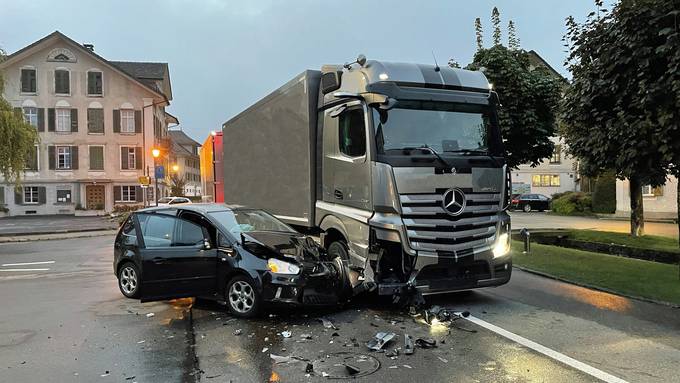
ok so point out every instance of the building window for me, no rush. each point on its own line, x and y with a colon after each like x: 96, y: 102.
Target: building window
x: 31, y: 115
x: 545, y: 180
x: 63, y: 196
x: 649, y: 191
x: 95, y: 120
x: 31, y: 194
x: 63, y: 157
x: 32, y: 160
x: 62, y: 82
x: 127, y: 121
x: 130, y: 157
x: 96, y: 158
x: 556, y: 157
x: 94, y: 83
x: 29, y: 80
x: 63, y: 120
x: 127, y: 194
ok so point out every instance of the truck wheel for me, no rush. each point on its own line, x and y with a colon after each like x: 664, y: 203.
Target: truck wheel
x: 527, y: 208
x: 339, y: 249
x: 243, y: 298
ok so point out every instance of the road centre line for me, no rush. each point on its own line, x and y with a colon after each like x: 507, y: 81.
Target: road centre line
x: 24, y: 269
x: 558, y: 356
x: 28, y: 263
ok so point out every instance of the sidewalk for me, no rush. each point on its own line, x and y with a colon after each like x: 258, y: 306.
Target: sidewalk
x: 45, y: 237
x: 53, y: 224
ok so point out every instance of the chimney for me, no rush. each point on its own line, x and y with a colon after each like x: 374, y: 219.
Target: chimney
x: 89, y: 46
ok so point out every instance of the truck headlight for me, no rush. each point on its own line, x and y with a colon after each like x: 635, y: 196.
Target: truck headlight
x: 502, y: 245
x: 280, y: 267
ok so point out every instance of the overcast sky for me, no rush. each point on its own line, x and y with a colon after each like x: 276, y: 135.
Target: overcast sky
x: 224, y: 55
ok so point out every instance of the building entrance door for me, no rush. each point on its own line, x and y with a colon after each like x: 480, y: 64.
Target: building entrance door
x: 94, y: 195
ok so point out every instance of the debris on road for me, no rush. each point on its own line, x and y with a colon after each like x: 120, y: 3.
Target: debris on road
x: 265, y: 349
x: 380, y: 340
x: 426, y: 343
x: 327, y: 323
x: 149, y: 315
x: 408, y: 344
x: 306, y: 336
x: 442, y: 359
x: 286, y: 334
x: 237, y: 332
x: 309, y: 368
x: 344, y: 365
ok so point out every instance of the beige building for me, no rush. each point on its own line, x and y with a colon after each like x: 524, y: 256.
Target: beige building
x: 186, y: 162
x: 97, y: 121
x: 658, y: 203
x: 556, y: 174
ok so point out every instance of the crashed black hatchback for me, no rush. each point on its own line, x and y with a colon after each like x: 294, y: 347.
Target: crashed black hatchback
x: 246, y: 258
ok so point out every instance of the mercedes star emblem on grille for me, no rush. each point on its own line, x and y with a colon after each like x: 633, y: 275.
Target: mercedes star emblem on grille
x: 454, y: 201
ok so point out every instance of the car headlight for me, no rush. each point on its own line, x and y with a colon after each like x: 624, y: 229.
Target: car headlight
x: 280, y: 267
x: 502, y: 245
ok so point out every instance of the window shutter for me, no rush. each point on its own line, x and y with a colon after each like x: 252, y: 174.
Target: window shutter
x: 116, y: 120
x: 139, y: 194
x: 41, y: 119
x: 123, y: 158
x: 42, y: 195
x: 95, y: 120
x: 24, y: 81
x: 138, y: 158
x: 51, y: 119
x: 74, y: 120
x: 19, y: 196
x: 138, y: 121
x: 90, y: 83
x: 74, y: 157
x: 116, y: 193
x: 51, y: 154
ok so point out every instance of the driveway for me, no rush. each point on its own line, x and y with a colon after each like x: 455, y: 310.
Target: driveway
x: 53, y: 224
x: 537, y: 220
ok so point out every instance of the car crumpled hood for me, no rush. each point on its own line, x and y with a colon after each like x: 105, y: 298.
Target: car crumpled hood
x: 283, y: 245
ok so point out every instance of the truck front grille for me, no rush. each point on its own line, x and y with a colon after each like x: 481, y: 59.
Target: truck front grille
x: 430, y: 228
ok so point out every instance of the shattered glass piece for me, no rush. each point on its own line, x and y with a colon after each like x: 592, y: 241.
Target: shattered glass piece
x: 380, y: 340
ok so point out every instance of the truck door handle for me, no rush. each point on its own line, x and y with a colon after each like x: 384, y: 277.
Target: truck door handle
x: 338, y: 194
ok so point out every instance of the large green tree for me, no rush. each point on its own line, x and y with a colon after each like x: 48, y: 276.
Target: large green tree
x: 529, y: 95
x: 621, y: 110
x: 16, y: 138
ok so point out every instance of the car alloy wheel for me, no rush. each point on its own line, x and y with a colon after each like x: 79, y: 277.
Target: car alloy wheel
x: 128, y: 281
x: 241, y: 297
x: 527, y: 208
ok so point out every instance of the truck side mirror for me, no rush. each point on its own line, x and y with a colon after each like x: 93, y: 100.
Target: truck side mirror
x: 330, y: 81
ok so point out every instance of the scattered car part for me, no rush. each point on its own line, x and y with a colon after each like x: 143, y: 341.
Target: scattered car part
x: 408, y: 344
x: 286, y: 334
x: 327, y: 323
x: 345, y: 365
x: 380, y: 340
x: 426, y: 343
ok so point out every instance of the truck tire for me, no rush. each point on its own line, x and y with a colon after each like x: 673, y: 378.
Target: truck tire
x: 339, y: 249
x: 339, y: 253
x: 242, y: 297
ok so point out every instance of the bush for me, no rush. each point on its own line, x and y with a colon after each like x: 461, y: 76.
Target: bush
x: 572, y: 203
x: 604, y: 195
x: 125, y: 208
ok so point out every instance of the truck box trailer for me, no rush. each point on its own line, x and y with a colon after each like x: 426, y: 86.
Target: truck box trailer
x: 400, y: 167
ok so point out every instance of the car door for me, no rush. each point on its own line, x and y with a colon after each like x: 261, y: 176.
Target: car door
x: 177, y: 256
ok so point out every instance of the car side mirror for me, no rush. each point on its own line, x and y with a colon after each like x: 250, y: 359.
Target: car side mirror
x: 206, y: 244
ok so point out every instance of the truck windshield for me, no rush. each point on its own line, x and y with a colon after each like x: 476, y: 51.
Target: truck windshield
x: 242, y: 221
x: 442, y: 127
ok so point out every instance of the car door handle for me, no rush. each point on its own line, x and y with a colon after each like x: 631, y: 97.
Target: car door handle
x: 338, y: 194
x: 158, y: 260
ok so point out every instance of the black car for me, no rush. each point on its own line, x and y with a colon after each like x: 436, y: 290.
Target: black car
x: 529, y: 202
x: 244, y: 257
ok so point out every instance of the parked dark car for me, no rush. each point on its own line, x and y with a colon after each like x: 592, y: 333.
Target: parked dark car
x: 529, y: 202
x: 244, y: 257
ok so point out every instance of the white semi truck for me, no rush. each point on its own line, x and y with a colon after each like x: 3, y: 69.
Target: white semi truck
x: 399, y: 167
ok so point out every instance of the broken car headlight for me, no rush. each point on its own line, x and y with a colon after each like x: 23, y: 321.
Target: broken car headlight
x: 502, y: 245
x: 280, y: 267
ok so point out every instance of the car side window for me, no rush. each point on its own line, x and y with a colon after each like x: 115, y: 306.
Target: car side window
x: 352, y: 132
x: 157, y: 229
x: 189, y: 234
x: 129, y: 232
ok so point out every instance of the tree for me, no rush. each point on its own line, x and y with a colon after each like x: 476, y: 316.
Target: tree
x: 513, y: 40
x: 17, y: 138
x: 529, y: 99
x: 621, y: 110
x: 496, y: 21
x: 177, y: 184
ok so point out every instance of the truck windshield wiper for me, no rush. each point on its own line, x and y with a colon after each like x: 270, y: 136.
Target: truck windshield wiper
x: 429, y: 149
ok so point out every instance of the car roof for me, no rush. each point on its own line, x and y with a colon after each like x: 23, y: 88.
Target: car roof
x: 201, y: 208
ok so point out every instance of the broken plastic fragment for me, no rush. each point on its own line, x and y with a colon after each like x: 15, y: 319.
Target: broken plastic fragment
x: 327, y: 323
x: 442, y: 359
x: 286, y: 334
x: 380, y: 340
x: 265, y: 349
x: 238, y: 332
x: 394, y: 352
x: 306, y: 336
x: 280, y: 358
x: 149, y: 315
x: 426, y: 343
x: 407, y: 366
x: 408, y: 344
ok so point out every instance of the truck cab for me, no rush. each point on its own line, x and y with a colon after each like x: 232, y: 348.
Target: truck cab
x: 413, y: 183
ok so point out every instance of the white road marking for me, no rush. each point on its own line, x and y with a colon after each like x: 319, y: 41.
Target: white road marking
x: 24, y: 269
x: 558, y: 356
x: 28, y: 263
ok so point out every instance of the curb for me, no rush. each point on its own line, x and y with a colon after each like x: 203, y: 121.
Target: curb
x: 57, y: 236
x: 593, y: 287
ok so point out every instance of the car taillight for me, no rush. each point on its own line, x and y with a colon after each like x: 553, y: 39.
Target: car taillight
x: 515, y: 201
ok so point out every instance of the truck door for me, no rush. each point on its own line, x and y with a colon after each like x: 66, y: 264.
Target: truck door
x: 178, y: 258
x: 346, y: 168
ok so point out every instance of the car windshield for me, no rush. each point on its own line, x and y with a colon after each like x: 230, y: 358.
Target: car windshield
x: 165, y: 200
x: 441, y: 126
x: 242, y: 221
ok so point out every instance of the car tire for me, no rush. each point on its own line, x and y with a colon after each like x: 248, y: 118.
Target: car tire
x: 242, y: 297
x: 527, y: 208
x: 129, y: 280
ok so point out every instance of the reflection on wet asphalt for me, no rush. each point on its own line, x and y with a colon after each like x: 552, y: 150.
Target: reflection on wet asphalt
x: 465, y: 354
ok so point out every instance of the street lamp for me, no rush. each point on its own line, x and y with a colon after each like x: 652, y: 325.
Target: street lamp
x: 175, y: 168
x: 155, y: 153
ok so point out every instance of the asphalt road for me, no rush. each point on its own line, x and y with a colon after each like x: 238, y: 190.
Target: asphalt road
x: 70, y: 323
